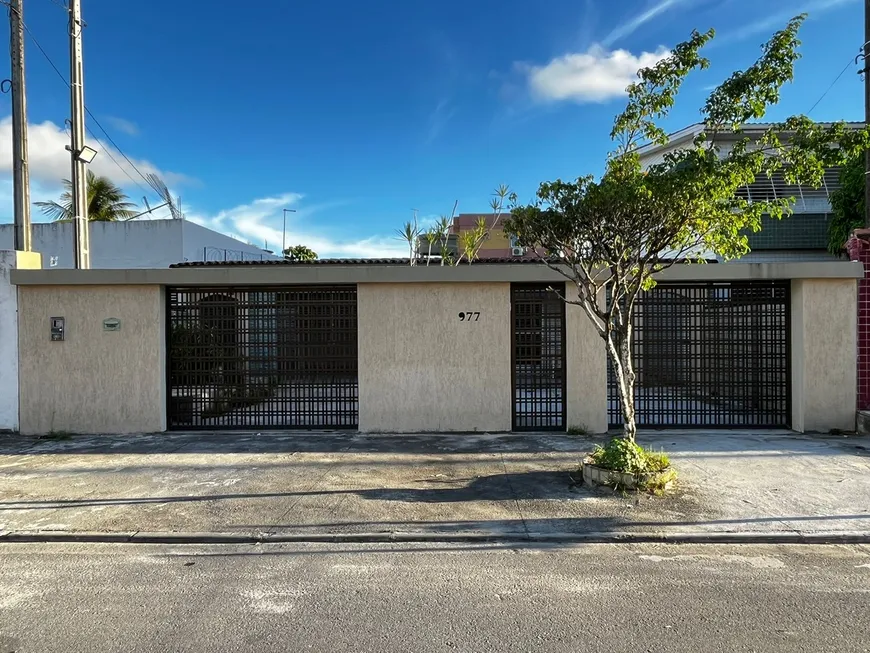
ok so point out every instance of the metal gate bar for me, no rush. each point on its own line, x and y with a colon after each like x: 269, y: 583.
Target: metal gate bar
x: 538, y: 358
x: 279, y: 357
x: 711, y: 355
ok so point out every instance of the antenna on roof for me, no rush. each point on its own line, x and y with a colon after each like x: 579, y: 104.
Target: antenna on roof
x: 160, y: 188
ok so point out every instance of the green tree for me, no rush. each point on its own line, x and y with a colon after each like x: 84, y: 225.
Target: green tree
x: 300, y: 253
x: 106, y: 202
x: 609, y: 236
x: 847, y: 203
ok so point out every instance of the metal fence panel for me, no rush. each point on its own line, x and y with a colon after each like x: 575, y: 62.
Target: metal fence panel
x: 710, y: 355
x: 262, y: 357
x: 538, y: 359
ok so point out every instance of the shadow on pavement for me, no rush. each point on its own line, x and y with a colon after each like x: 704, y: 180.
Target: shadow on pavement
x: 498, y: 487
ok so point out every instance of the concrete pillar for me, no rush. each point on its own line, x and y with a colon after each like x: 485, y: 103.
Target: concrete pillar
x: 586, y: 358
x: 421, y: 368
x: 10, y: 260
x: 823, y: 354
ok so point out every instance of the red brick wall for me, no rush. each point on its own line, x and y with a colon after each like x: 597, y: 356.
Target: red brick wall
x: 859, y: 250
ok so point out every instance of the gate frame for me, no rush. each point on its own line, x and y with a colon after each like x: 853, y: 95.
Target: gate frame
x: 786, y: 284
x: 563, y: 377
x: 246, y: 288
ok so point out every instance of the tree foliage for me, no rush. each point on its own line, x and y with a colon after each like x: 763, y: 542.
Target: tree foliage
x: 300, y: 253
x: 608, y: 236
x: 106, y: 202
x: 847, y: 204
x: 410, y: 233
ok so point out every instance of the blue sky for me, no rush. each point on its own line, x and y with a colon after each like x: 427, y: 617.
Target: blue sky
x: 354, y: 114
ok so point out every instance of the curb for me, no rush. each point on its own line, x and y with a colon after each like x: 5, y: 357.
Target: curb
x: 621, y: 537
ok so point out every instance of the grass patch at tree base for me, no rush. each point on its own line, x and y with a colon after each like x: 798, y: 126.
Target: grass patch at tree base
x: 630, y: 466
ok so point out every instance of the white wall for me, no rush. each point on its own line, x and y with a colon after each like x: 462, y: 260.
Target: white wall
x: 114, y: 245
x: 8, y: 345
x: 135, y: 244
x: 9, y: 394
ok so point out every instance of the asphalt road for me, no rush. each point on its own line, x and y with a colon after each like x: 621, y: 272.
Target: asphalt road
x: 421, y: 598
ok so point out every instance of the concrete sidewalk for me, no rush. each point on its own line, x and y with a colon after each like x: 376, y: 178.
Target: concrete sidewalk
x: 511, y: 486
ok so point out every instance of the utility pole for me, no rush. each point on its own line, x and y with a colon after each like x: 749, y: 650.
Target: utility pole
x: 77, y: 130
x: 20, y: 171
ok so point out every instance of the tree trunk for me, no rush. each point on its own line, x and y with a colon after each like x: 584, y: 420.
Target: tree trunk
x: 619, y: 350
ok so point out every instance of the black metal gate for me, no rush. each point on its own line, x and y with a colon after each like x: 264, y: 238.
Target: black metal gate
x: 710, y: 355
x: 262, y: 357
x: 538, y: 361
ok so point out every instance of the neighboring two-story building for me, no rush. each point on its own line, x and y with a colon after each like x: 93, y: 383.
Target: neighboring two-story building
x: 802, y: 236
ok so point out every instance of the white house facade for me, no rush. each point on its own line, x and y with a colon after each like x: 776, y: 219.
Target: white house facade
x: 136, y: 244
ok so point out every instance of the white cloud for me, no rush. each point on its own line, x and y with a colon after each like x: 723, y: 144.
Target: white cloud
x: 638, y: 21
x: 596, y: 75
x: 128, y: 127
x: 50, y: 162
x: 262, y: 221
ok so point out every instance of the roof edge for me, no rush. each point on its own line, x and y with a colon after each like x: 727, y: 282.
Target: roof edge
x: 688, y: 133
x: 278, y: 275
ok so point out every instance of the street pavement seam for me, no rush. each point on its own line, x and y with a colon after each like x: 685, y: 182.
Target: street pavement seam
x: 611, y: 537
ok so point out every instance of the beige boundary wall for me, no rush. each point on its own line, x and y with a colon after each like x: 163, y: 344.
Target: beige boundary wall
x: 824, y: 344
x: 421, y: 368
x: 94, y: 381
x: 587, y: 372
x: 102, y: 381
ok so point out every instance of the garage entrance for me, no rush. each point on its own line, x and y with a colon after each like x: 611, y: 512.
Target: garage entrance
x: 262, y: 357
x: 711, y: 355
x: 538, y: 360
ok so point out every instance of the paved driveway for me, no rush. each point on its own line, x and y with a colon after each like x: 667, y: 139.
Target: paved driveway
x: 494, y: 484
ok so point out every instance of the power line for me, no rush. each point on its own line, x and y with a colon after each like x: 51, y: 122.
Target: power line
x: 834, y: 83
x: 97, y: 122
x: 120, y: 151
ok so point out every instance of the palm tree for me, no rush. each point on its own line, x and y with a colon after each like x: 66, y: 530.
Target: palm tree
x: 106, y: 202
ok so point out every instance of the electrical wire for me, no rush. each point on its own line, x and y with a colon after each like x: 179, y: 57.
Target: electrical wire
x: 834, y: 83
x: 120, y: 151
x: 97, y: 122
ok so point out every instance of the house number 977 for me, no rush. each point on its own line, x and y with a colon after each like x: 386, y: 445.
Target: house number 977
x: 469, y: 316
